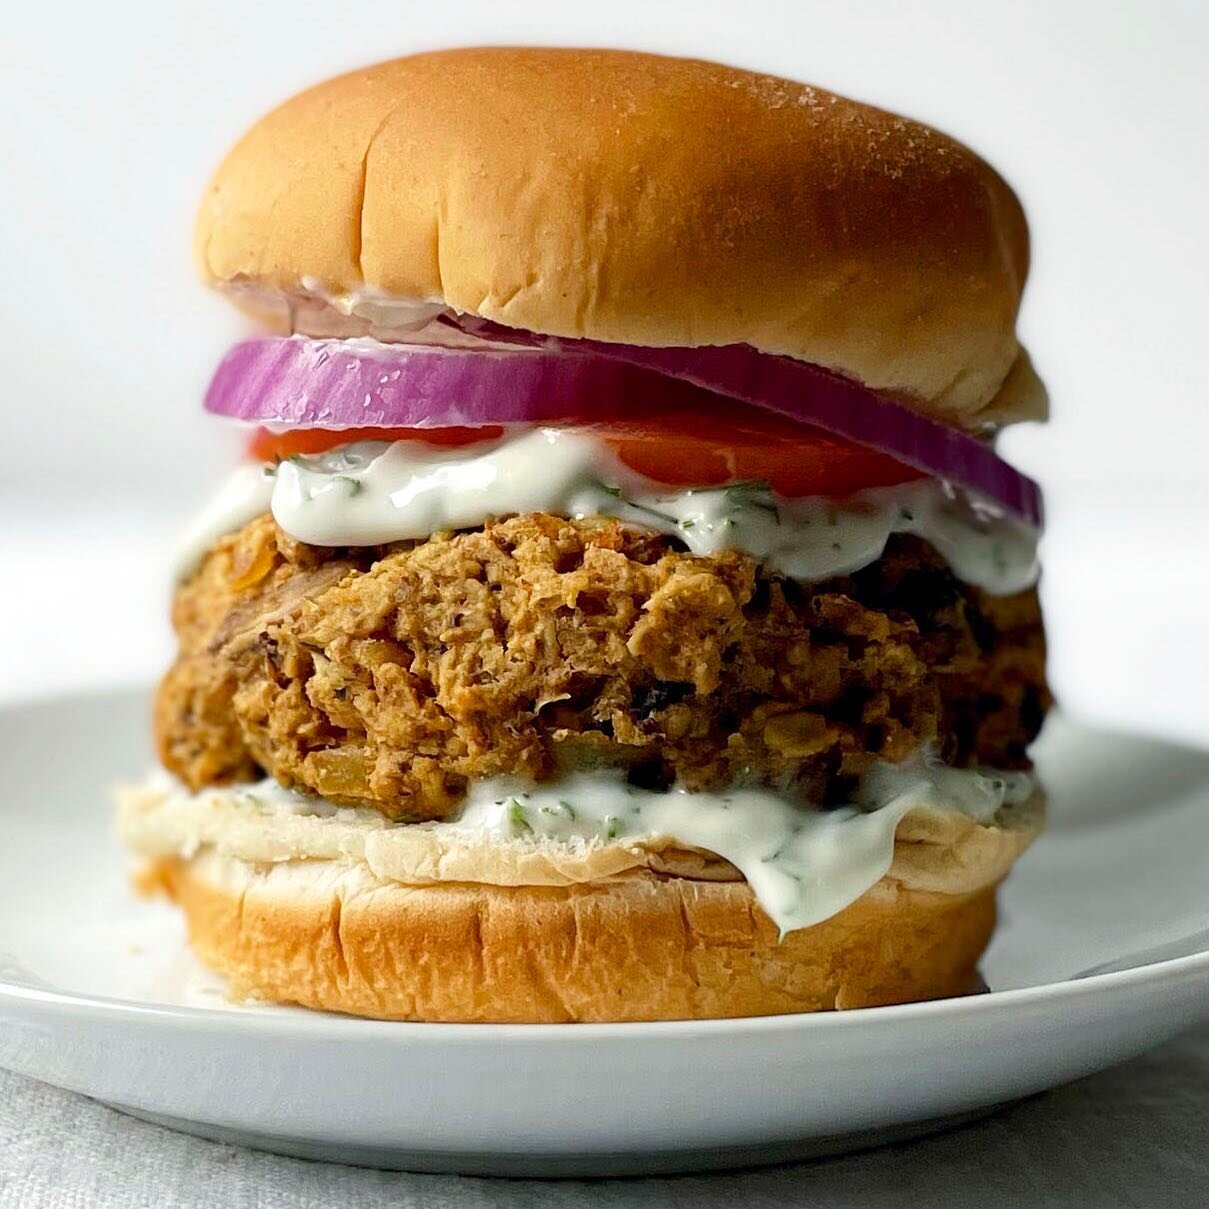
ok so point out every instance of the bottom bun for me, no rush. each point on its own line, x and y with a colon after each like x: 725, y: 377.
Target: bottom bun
x: 642, y: 947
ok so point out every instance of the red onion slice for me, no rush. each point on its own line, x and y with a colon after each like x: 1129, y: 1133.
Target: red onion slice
x: 359, y: 384
x: 363, y: 384
x: 810, y: 394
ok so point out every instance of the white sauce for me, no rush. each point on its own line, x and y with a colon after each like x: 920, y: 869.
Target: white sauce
x: 378, y: 307
x: 803, y: 864
x: 373, y: 492
x: 245, y: 494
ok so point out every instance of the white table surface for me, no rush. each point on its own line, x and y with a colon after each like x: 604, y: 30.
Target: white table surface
x: 1124, y: 602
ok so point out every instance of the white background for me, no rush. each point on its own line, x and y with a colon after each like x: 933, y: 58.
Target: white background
x: 112, y: 116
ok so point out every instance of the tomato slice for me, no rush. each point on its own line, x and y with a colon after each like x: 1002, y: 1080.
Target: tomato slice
x: 793, y: 460
x: 678, y: 449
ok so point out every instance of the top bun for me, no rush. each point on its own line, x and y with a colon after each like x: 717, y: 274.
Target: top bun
x: 646, y: 200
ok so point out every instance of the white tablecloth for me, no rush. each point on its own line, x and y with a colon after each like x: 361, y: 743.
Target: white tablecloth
x: 1137, y: 1136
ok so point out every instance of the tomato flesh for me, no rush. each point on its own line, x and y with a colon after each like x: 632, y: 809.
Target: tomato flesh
x: 794, y: 461
x: 679, y: 450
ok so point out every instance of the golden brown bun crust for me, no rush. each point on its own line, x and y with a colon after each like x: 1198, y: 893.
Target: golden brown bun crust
x: 648, y: 200
x: 638, y: 948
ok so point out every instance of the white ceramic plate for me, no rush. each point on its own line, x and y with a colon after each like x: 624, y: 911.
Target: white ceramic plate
x: 1103, y: 952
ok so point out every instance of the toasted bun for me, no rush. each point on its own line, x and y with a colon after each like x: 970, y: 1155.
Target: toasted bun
x: 387, y: 923
x: 647, y: 200
x: 642, y: 948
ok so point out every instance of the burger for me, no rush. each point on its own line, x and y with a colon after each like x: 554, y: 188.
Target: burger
x: 621, y: 612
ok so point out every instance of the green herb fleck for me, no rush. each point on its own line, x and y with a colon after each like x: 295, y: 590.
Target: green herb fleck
x: 568, y: 809
x: 516, y: 816
x: 754, y: 494
x: 687, y: 524
x: 612, y: 826
x: 666, y: 518
x: 608, y: 489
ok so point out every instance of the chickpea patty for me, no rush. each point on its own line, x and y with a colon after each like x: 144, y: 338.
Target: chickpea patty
x: 389, y: 677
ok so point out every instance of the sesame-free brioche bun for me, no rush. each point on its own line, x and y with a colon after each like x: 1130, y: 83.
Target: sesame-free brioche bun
x: 391, y: 923
x: 639, y: 199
